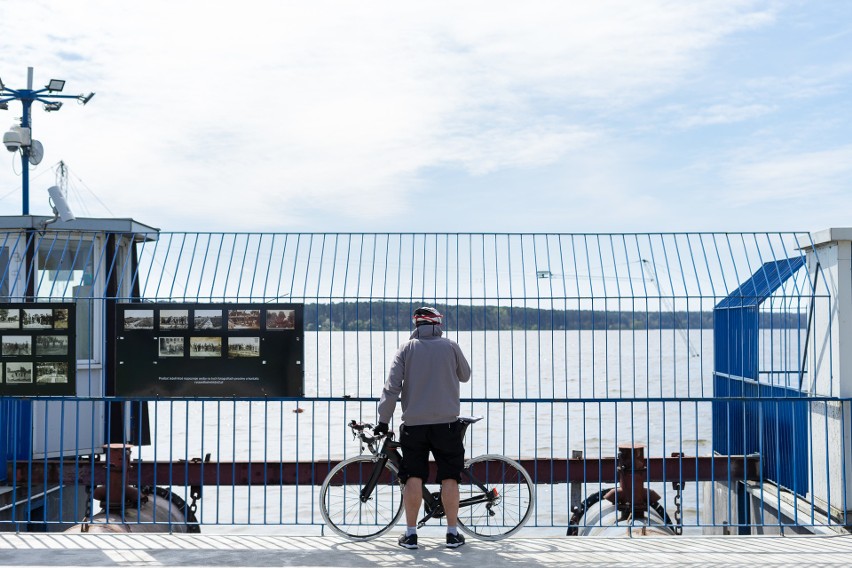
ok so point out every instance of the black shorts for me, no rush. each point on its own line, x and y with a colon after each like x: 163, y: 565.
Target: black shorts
x: 443, y: 440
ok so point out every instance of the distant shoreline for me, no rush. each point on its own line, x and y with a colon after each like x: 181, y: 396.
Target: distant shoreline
x: 396, y: 316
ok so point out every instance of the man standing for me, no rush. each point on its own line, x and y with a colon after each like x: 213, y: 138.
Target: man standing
x: 427, y: 370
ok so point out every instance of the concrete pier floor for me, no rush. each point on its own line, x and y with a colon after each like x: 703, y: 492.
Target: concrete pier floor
x: 59, y: 550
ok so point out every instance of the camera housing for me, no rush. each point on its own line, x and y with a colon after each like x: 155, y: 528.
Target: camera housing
x: 12, y: 140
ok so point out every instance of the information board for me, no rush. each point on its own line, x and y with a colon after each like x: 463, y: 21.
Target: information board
x: 37, y: 343
x: 209, y: 350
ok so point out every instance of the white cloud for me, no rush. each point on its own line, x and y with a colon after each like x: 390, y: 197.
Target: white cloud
x: 804, y: 177
x: 250, y: 115
x: 726, y: 114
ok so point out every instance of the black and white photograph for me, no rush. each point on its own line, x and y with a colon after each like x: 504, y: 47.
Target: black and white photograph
x: 205, y: 346
x: 171, y: 346
x: 243, y: 319
x: 281, y: 319
x: 10, y: 318
x: 174, y: 319
x: 207, y: 319
x: 19, y: 373
x: 138, y: 319
x: 54, y: 372
x: 243, y: 347
x: 37, y: 318
x: 51, y: 345
x: 60, y: 318
x: 17, y: 346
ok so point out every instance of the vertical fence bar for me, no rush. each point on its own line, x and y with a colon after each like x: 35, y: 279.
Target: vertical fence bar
x: 610, y: 356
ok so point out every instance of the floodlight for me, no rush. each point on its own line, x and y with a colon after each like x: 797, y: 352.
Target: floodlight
x: 56, y: 85
x: 85, y: 98
x: 60, y: 207
x: 48, y: 107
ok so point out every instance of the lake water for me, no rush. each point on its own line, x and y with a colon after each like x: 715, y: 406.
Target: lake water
x: 548, y: 392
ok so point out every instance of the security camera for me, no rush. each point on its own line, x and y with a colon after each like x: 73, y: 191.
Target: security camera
x: 12, y: 140
x: 60, y: 206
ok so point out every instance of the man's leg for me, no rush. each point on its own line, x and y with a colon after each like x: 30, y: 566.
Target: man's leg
x: 412, y: 498
x: 450, y: 500
x: 448, y: 449
x: 413, y: 469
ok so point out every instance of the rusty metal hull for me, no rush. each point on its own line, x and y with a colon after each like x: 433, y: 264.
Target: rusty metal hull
x: 196, y: 473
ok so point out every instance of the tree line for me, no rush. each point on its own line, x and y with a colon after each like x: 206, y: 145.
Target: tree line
x: 396, y: 316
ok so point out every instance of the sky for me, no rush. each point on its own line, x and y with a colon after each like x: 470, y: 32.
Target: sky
x: 536, y: 116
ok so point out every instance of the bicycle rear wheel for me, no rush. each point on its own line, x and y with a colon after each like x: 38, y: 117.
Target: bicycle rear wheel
x: 341, y: 505
x: 506, y: 503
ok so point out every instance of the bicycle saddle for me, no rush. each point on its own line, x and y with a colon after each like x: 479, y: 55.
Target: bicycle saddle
x: 470, y: 419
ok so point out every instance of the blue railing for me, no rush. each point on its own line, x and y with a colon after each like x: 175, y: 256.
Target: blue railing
x: 749, y: 417
x: 578, y: 343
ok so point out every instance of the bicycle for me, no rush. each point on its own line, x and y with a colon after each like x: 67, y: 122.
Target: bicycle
x: 361, y: 497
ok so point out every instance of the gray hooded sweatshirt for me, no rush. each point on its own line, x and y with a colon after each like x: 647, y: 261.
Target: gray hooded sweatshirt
x: 427, y: 370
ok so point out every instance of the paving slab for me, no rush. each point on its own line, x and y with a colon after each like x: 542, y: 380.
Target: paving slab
x: 30, y: 550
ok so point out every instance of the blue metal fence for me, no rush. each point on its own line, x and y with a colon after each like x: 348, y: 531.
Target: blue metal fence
x: 778, y: 431
x: 579, y: 342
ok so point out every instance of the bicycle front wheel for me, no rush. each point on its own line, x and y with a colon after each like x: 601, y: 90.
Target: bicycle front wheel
x: 496, y: 497
x: 343, y: 508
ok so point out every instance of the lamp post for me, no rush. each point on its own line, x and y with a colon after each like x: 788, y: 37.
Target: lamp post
x: 19, y: 138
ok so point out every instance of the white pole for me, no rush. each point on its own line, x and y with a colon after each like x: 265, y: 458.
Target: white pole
x: 830, y: 370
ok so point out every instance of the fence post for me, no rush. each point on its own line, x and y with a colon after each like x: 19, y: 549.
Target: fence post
x: 830, y: 369
x: 576, y: 486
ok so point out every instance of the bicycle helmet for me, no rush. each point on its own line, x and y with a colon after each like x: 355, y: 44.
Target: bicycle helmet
x: 427, y: 315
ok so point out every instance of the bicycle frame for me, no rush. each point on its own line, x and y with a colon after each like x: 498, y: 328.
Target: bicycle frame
x: 388, y: 452
x: 433, y: 506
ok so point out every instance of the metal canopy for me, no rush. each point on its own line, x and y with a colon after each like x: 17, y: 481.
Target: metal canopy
x: 99, y: 225
x: 762, y: 283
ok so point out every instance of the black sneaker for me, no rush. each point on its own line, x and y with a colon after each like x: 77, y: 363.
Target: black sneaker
x: 455, y: 540
x: 409, y: 541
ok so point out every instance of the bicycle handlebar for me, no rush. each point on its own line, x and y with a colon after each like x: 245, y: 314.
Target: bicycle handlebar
x: 358, y: 430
